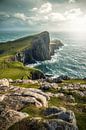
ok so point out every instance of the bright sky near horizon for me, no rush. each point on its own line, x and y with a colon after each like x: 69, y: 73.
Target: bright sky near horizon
x: 51, y: 15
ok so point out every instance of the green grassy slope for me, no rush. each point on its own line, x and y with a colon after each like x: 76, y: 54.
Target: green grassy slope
x: 12, y: 47
x: 16, y: 70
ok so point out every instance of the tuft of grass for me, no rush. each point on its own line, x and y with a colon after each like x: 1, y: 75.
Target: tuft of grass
x: 33, y: 111
x: 81, y: 120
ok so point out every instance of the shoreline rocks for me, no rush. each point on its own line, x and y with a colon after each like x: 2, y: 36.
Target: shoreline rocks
x: 54, y: 45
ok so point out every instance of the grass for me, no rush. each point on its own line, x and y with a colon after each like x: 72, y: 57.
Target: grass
x: 15, y: 70
x: 81, y: 120
x: 74, y: 81
x: 33, y: 111
x: 27, y: 85
x: 13, y: 47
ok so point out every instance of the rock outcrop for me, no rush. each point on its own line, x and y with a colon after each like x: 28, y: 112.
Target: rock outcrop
x: 55, y: 119
x: 4, y: 82
x: 14, y: 99
x: 17, y: 98
x: 55, y: 44
x: 8, y: 117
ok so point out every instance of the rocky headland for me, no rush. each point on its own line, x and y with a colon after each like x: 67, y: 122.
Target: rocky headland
x: 30, y: 49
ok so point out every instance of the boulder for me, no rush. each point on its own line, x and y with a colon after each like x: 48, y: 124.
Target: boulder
x: 8, y: 117
x: 64, y: 77
x: 70, y: 98
x: 60, y: 113
x: 18, y: 98
x: 57, y: 80
x: 45, y: 87
x: 44, y: 124
x: 37, y: 75
x: 4, y: 82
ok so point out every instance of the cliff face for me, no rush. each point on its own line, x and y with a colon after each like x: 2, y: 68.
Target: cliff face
x: 39, y: 49
x: 55, y: 44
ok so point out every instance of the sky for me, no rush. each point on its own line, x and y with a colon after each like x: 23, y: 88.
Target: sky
x: 51, y: 15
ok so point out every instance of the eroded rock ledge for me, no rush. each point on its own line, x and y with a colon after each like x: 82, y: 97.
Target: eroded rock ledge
x: 13, y: 99
x: 55, y: 119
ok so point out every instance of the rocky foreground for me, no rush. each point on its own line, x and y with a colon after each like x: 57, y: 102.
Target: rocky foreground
x: 14, y: 99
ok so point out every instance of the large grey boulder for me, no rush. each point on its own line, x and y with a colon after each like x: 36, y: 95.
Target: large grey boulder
x: 8, y: 117
x: 45, y: 124
x: 60, y: 113
x: 18, y: 98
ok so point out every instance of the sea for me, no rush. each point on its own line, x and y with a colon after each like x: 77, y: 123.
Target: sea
x: 69, y: 60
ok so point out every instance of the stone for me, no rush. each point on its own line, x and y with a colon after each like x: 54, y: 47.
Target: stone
x: 4, y: 82
x: 60, y: 113
x: 10, y: 81
x: 64, y: 77
x: 51, y: 110
x: 55, y: 80
x: 70, y: 98
x: 45, y: 87
x: 21, y: 97
x: 9, y: 117
x: 47, y: 124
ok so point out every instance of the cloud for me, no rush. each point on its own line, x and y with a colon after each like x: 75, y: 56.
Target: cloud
x: 21, y: 16
x: 73, y: 14
x: 72, y: 1
x: 4, y: 16
x: 34, y: 9
x: 45, y: 8
x: 56, y: 17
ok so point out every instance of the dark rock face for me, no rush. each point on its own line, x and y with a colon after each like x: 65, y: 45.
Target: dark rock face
x: 37, y: 75
x: 39, y: 50
x: 40, y: 47
x: 58, y: 79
